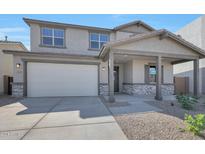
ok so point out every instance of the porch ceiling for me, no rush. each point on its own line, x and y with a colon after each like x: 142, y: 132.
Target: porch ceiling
x: 121, y: 59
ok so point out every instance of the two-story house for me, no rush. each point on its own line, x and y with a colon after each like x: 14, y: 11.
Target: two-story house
x: 76, y: 60
x: 194, y: 32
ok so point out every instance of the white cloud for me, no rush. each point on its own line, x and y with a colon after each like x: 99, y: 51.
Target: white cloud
x: 19, y: 37
x: 9, y: 30
x: 117, y: 16
x: 121, y: 16
x: 12, y: 29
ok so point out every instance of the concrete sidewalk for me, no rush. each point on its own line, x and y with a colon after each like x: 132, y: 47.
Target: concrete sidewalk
x: 57, y: 118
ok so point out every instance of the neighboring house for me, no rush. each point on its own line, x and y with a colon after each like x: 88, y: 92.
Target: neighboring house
x: 194, y: 32
x: 75, y: 60
x: 6, y: 62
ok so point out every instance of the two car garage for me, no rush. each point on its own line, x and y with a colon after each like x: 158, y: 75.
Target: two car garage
x: 54, y: 79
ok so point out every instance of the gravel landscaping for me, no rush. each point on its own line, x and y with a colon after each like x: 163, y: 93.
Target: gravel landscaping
x: 165, y: 125
x: 153, y: 126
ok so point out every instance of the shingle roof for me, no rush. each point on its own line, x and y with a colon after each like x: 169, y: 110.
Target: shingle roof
x: 14, y: 42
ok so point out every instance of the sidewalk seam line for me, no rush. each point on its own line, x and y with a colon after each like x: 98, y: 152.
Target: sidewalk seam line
x: 42, y: 118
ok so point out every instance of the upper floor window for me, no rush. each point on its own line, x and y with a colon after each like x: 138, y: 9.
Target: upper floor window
x: 97, y: 40
x: 52, y: 37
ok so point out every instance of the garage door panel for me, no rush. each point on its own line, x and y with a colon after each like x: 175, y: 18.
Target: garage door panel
x: 47, y: 79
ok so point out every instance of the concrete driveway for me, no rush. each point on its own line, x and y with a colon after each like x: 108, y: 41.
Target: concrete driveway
x: 57, y: 118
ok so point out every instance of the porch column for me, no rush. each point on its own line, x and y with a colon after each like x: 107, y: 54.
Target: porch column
x: 158, y: 82
x: 196, y: 77
x: 111, y: 77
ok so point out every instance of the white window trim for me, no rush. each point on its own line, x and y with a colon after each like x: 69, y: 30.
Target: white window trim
x: 147, y: 81
x: 53, y: 37
x: 98, y: 41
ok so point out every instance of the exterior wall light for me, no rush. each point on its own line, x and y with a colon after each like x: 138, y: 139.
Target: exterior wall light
x: 18, y: 65
x: 103, y: 68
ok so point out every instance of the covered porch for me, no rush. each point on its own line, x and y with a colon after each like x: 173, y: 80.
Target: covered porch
x: 146, y: 63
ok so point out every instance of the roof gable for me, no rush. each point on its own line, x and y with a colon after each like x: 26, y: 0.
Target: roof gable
x: 135, y: 29
x: 132, y: 26
x: 156, y: 45
x: 154, y: 42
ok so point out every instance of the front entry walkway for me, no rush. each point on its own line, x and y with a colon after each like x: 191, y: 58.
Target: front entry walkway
x: 57, y: 118
x: 127, y: 104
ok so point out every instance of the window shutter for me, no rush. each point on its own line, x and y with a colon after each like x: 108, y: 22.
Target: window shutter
x: 146, y: 76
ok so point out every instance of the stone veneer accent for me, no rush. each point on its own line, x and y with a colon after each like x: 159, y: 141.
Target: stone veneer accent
x: 147, y: 89
x: 103, y: 89
x: 17, y: 89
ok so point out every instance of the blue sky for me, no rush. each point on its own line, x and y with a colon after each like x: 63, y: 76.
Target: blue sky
x: 14, y: 27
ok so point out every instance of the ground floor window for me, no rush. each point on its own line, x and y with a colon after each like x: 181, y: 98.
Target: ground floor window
x: 151, y: 74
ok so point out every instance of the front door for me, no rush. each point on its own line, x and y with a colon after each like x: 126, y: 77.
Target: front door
x: 116, y: 78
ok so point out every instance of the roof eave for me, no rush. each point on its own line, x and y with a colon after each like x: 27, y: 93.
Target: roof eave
x: 50, y: 23
x: 47, y: 54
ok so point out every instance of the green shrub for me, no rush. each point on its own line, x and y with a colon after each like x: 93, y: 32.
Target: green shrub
x: 195, y: 124
x: 186, y: 102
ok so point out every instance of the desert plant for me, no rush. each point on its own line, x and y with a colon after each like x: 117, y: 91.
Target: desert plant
x: 196, y: 123
x: 186, y: 102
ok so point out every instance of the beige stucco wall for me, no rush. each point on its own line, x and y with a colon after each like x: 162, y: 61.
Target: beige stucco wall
x: 203, y: 32
x: 6, y: 68
x: 6, y: 62
x: 193, y: 32
x: 17, y: 72
x: 139, y: 71
x: 136, y: 29
x: 168, y: 72
x: 104, y: 72
x: 129, y: 31
x: 1, y: 73
x: 122, y: 35
x: 128, y: 72
x: 154, y: 44
x: 76, y: 41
